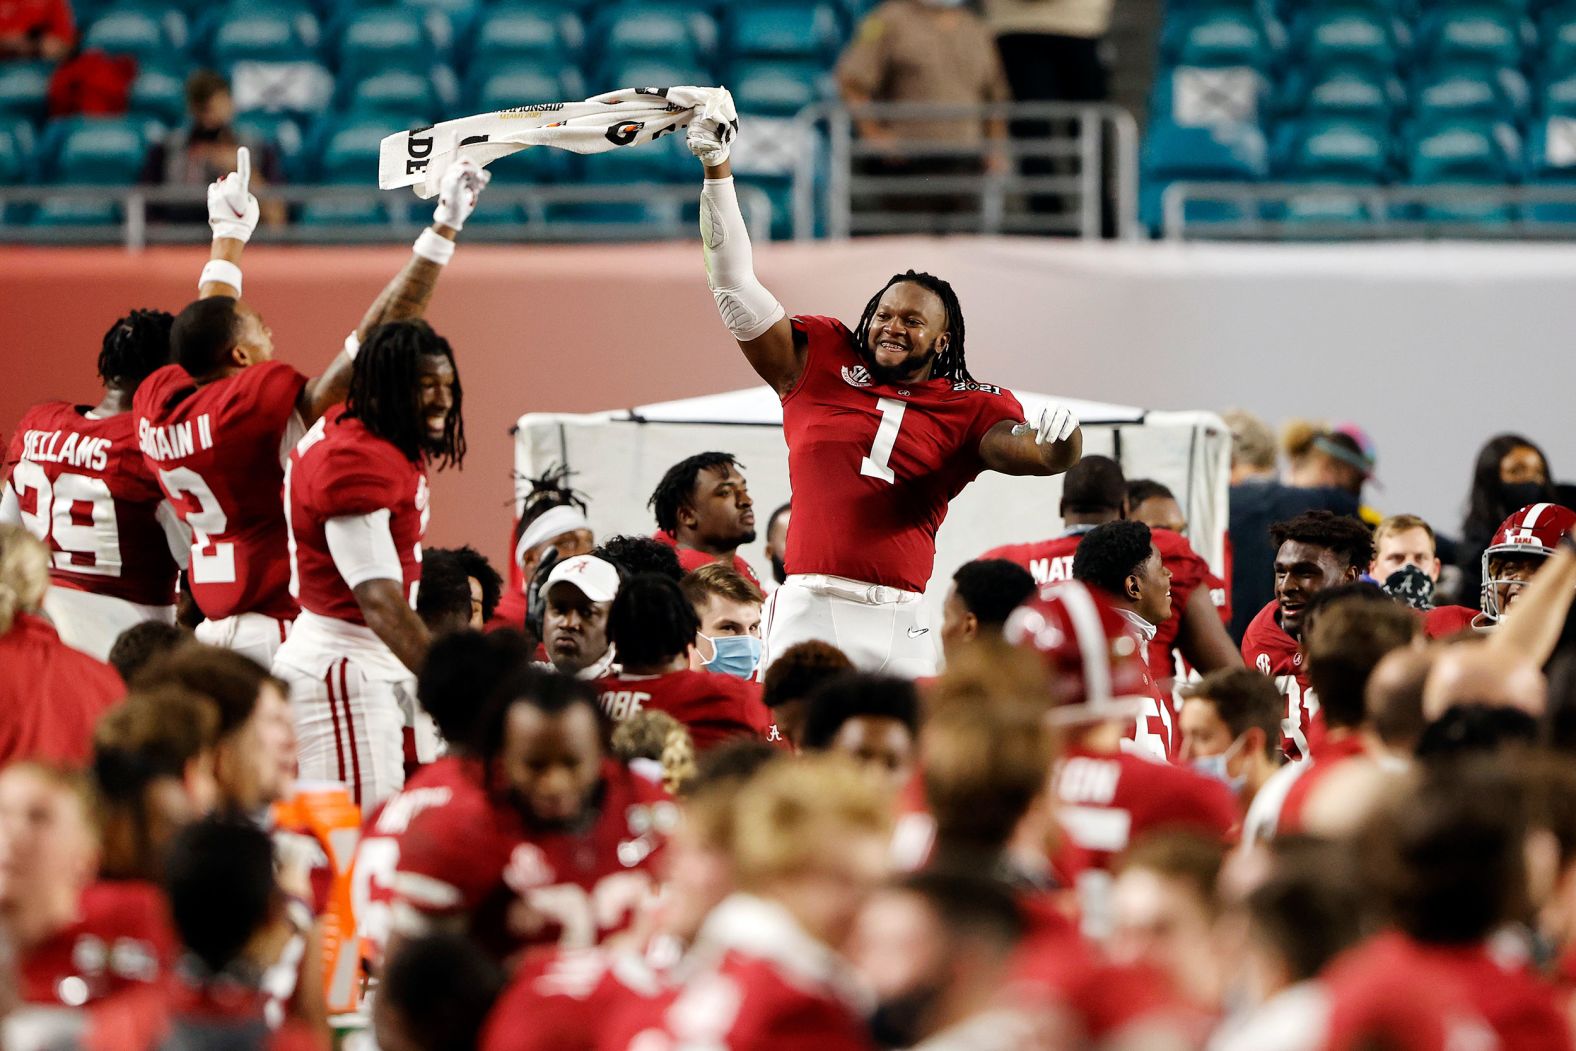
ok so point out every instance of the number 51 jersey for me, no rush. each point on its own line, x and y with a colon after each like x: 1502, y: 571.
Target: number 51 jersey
x: 873, y: 466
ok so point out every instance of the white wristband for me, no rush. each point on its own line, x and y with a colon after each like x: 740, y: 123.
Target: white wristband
x: 433, y: 247
x: 352, y: 346
x: 223, y: 272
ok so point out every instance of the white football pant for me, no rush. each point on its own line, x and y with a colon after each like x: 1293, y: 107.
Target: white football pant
x: 251, y: 634
x: 91, y: 623
x: 881, y: 629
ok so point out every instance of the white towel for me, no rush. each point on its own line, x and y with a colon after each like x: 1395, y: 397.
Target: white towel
x: 617, y: 119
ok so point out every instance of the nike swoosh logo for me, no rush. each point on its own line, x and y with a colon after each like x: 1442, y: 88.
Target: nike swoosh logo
x: 915, y: 633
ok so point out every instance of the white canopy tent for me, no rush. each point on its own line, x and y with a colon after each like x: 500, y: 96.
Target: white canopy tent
x: 618, y: 456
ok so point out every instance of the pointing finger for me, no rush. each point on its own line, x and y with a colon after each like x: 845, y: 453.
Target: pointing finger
x: 243, y: 168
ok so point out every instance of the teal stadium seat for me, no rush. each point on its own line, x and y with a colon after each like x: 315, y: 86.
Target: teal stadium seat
x: 261, y: 33
x: 88, y: 151
x: 805, y: 31
x: 1559, y: 38
x: 1217, y: 38
x: 159, y: 93
x: 24, y: 89
x: 1224, y: 153
x: 1353, y: 91
x: 653, y: 73
x: 1557, y: 96
x: 520, y: 83
x: 1339, y: 34
x: 132, y: 31
x: 773, y: 89
x: 526, y: 30
x: 281, y: 129
x: 1455, y: 90
x: 1481, y: 32
x: 1467, y: 152
x: 1334, y: 150
x: 648, y: 29
x: 397, y: 91
x: 1551, y: 161
x: 16, y: 152
x: 448, y: 21
x: 370, y: 40
x: 345, y: 152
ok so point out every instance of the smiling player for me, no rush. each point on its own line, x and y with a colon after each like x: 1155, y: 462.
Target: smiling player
x: 884, y: 426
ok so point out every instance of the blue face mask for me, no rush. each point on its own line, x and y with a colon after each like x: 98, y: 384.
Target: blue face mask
x: 736, y: 655
x: 1216, y: 766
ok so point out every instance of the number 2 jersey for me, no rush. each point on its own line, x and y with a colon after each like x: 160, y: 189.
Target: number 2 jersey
x: 82, y: 487
x: 218, y: 451
x: 874, y: 466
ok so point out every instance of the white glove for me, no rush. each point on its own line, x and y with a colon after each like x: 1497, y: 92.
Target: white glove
x: 232, y: 210
x: 1057, y: 424
x: 458, y: 192
x: 713, y: 130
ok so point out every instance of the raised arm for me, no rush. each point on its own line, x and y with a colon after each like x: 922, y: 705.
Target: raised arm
x: 411, y: 290
x: 751, y: 313
x: 1052, y: 446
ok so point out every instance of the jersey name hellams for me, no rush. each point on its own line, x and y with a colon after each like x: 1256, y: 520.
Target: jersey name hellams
x: 62, y: 447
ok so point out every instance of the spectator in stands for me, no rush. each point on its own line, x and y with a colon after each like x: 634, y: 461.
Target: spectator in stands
x: 791, y: 679
x: 578, y: 595
x: 1155, y: 505
x: 1259, y: 499
x: 204, y: 151
x: 1231, y: 729
x: 143, y: 643
x: 983, y: 595
x: 874, y: 719
x: 926, y: 51
x: 31, y: 29
x: 50, y: 694
x: 777, y: 541
x: 729, y: 609
x: 704, y: 511
x: 1163, y: 907
x: 1320, y: 457
x: 434, y: 994
x: 1511, y: 472
x: 935, y: 949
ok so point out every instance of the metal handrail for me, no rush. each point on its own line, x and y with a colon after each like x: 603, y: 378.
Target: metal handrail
x: 405, y: 214
x: 1381, y: 203
x: 1101, y: 127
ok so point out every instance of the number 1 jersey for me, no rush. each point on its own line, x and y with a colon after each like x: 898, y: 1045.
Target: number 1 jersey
x: 218, y: 451
x: 873, y: 466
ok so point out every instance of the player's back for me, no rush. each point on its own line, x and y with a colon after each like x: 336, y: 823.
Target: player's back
x: 1048, y: 561
x: 84, y: 489
x: 218, y: 451
x: 713, y: 708
x: 874, y: 466
x: 1189, y: 572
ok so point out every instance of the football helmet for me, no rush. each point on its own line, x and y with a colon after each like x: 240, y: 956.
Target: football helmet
x: 1097, y: 671
x: 1535, y: 530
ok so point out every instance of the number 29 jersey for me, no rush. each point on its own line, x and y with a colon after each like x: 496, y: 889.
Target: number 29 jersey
x: 873, y: 466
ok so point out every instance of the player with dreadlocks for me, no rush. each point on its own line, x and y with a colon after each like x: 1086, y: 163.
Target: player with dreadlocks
x: 356, y: 507
x: 552, y: 526
x: 884, y: 425
x: 79, y: 483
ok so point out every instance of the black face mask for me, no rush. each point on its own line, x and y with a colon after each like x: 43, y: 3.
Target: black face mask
x: 899, y: 1021
x: 1520, y: 494
x: 206, y: 135
x: 1412, y: 586
x: 779, y: 571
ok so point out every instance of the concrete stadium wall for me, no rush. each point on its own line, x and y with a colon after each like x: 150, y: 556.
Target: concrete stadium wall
x: 1431, y: 347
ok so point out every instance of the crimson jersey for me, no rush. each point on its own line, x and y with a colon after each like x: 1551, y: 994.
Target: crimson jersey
x: 86, y: 491
x: 1327, y: 756
x: 341, y: 469
x: 474, y: 855
x: 873, y: 467
x: 691, y: 560
x: 712, y: 707
x: 1106, y: 801
x: 51, y: 696
x: 122, y: 940
x: 1395, y: 992
x: 1051, y: 562
x: 569, y: 1000
x: 218, y: 451
x: 1272, y: 652
x: 1441, y: 622
x: 766, y: 985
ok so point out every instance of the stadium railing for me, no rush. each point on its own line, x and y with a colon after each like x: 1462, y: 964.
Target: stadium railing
x: 1087, y: 185
x: 1336, y: 211
x: 653, y: 212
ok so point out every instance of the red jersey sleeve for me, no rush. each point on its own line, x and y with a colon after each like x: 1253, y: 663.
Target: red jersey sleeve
x: 270, y: 393
x: 450, y: 858
x: 354, y: 479
x: 995, y: 404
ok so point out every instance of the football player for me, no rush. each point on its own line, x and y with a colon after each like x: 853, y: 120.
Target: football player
x: 1107, y: 796
x: 356, y: 506
x: 1517, y: 551
x: 565, y: 853
x: 884, y: 426
x: 1314, y: 551
x: 652, y: 628
x: 704, y: 510
x: 982, y: 596
x: 217, y: 425
x: 1094, y: 493
x: 79, y: 483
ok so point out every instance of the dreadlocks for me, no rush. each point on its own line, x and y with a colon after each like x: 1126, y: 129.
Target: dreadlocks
x: 547, y: 492
x: 677, y: 488
x: 134, y: 346
x: 950, y: 364
x: 385, y: 390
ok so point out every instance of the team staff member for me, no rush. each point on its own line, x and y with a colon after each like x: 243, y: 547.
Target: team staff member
x: 884, y: 426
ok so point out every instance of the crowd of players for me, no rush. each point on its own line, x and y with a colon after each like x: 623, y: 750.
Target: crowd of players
x: 348, y: 787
